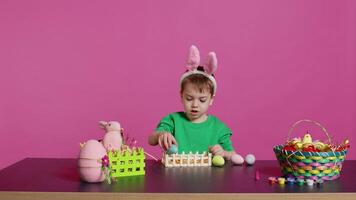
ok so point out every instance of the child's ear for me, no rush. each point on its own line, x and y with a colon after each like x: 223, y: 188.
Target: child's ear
x: 211, y: 101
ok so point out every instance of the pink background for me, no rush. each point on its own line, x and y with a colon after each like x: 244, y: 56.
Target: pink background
x: 65, y: 65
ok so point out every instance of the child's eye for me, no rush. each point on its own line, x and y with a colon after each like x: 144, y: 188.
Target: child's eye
x: 202, y: 100
x: 189, y: 99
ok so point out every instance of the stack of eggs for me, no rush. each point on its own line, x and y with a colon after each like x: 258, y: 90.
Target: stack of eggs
x: 90, y: 163
x: 307, y: 144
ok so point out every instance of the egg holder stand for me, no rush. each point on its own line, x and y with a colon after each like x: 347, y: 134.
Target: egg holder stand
x: 187, y: 160
x: 127, y: 162
x: 310, y: 165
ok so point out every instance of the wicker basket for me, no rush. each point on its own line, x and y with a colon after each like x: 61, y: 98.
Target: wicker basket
x: 310, y: 165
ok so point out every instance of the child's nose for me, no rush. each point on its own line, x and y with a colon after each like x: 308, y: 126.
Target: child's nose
x: 195, y: 104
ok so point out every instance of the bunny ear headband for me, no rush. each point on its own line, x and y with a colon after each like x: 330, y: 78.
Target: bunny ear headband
x: 193, y: 64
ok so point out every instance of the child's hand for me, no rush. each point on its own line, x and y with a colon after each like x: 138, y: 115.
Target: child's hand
x: 165, y: 140
x: 217, y: 150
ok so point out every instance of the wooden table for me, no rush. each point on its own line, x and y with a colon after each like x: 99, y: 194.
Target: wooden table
x: 47, y: 178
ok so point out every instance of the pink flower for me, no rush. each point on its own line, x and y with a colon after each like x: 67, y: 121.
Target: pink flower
x: 105, y: 161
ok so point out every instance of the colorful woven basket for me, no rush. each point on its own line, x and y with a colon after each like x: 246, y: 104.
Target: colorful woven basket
x: 310, y: 165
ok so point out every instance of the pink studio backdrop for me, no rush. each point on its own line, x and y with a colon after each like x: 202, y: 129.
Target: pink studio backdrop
x: 65, y: 65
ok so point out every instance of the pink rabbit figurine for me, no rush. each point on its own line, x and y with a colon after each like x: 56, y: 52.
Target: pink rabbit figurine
x: 113, y: 138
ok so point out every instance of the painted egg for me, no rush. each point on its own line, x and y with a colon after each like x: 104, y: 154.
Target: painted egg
x: 89, y: 162
x: 237, y: 159
x: 281, y: 181
x: 91, y: 174
x: 218, y: 161
x: 92, y: 149
x: 290, y: 181
x: 172, y: 150
x: 300, y: 181
x: 310, y: 182
x: 272, y: 180
x: 83, y: 162
x: 250, y: 159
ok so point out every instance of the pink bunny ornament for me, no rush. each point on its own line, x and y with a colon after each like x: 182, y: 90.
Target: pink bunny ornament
x: 89, y: 163
x: 113, y: 138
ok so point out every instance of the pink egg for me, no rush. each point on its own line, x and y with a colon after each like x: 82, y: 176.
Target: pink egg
x: 91, y: 174
x: 83, y: 162
x: 237, y: 159
x: 89, y: 162
x: 92, y: 150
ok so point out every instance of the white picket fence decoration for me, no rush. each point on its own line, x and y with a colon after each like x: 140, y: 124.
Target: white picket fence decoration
x: 186, y: 160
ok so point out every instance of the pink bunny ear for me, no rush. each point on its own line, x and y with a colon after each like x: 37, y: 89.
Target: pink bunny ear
x: 212, y: 63
x: 193, y: 58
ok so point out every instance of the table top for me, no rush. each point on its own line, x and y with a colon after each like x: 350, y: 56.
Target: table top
x: 61, y: 175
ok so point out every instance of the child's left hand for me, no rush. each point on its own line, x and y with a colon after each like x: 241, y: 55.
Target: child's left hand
x: 217, y: 150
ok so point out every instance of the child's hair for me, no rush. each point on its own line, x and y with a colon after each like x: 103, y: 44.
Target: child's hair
x: 201, y: 81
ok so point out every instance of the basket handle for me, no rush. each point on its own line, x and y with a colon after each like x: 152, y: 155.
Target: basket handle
x: 310, y: 121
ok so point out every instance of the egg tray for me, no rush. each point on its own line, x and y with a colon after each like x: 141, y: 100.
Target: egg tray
x: 127, y: 163
x: 187, y: 160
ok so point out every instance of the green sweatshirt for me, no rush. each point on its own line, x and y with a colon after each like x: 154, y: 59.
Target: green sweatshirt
x: 196, y: 136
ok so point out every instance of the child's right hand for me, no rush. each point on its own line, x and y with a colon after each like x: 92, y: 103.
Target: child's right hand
x: 165, y: 140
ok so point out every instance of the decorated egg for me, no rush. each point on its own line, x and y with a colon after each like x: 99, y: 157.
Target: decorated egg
x: 298, y: 145
x: 218, y: 161
x: 300, y: 182
x: 289, y: 148
x: 172, y: 150
x: 310, y: 182
x: 290, y: 181
x: 250, y: 159
x: 89, y: 162
x: 319, y: 182
x: 237, y: 159
x: 92, y: 149
x: 272, y: 180
x: 320, y: 146
x: 281, y: 181
x: 91, y: 175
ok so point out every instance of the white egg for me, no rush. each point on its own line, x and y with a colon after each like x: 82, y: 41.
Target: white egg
x: 250, y: 159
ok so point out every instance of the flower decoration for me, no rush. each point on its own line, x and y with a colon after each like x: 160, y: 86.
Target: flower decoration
x: 105, y: 161
x: 105, y: 166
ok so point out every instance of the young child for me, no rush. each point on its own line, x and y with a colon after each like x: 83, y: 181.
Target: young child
x: 194, y: 130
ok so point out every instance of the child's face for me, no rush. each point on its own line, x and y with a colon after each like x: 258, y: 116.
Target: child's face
x: 196, y: 103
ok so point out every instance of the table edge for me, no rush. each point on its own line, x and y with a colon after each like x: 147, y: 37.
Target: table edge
x: 16, y: 195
